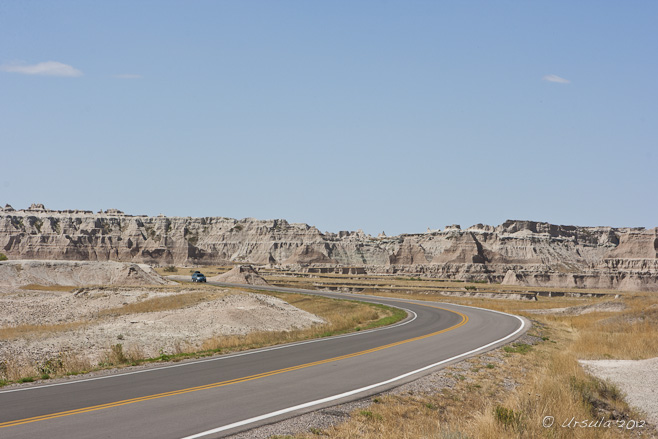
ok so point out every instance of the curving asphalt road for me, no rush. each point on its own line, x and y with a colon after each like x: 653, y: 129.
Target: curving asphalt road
x: 223, y: 395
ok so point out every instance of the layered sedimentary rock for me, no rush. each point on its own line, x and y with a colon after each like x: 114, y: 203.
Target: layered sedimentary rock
x: 241, y: 274
x: 77, y: 273
x: 515, y: 252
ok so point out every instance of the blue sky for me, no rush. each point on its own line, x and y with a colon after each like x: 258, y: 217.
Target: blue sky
x: 380, y: 115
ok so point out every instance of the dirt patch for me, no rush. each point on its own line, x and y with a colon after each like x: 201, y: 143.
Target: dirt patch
x: 223, y: 312
x: 77, y: 273
x: 637, y: 378
x: 21, y: 307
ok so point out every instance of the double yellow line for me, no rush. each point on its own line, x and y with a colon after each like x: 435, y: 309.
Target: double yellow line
x: 233, y: 381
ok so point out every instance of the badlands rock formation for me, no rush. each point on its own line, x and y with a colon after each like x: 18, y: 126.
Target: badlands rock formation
x: 77, y: 273
x: 515, y: 252
x: 240, y: 274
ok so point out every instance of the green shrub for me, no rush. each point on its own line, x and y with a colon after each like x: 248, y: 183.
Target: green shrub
x: 507, y: 417
x: 370, y: 415
x: 518, y: 348
x: 3, y: 257
x: 117, y: 355
x: 50, y: 365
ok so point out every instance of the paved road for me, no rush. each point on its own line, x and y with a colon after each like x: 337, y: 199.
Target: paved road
x: 223, y: 395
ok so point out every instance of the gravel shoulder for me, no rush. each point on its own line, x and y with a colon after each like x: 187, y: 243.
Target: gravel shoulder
x: 638, y: 379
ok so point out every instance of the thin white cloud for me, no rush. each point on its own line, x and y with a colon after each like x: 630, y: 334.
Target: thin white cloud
x: 128, y: 76
x: 48, y: 68
x: 556, y: 78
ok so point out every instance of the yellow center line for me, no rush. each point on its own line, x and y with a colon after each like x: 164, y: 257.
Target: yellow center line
x: 235, y: 380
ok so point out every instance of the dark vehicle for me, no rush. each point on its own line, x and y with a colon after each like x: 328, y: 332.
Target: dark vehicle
x: 198, y: 277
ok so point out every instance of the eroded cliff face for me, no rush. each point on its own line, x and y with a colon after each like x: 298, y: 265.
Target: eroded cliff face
x: 515, y: 252
x: 154, y: 240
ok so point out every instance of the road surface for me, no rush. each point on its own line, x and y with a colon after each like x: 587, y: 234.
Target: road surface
x: 223, y: 395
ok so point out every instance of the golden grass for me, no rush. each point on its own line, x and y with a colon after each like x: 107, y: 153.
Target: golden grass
x: 631, y: 334
x: 339, y: 315
x: 35, y: 287
x: 31, y: 330
x: 21, y: 370
x: 166, y: 303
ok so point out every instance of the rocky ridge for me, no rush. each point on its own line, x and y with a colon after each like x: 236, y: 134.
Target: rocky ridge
x: 515, y: 252
x: 16, y: 273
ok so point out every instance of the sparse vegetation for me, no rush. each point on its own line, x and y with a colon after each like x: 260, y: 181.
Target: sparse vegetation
x: 36, y: 287
x: 170, y: 269
x: 518, y: 348
x: 3, y: 257
x: 11, y: 332
x: 507, y: 417
x: 370, y: 415
x: 50, y: 366
x: 341, y: 316
x: 175, y: 301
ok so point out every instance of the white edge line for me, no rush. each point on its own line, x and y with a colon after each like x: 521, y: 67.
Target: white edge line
x: 413, y: 315
x: 362, y: 389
